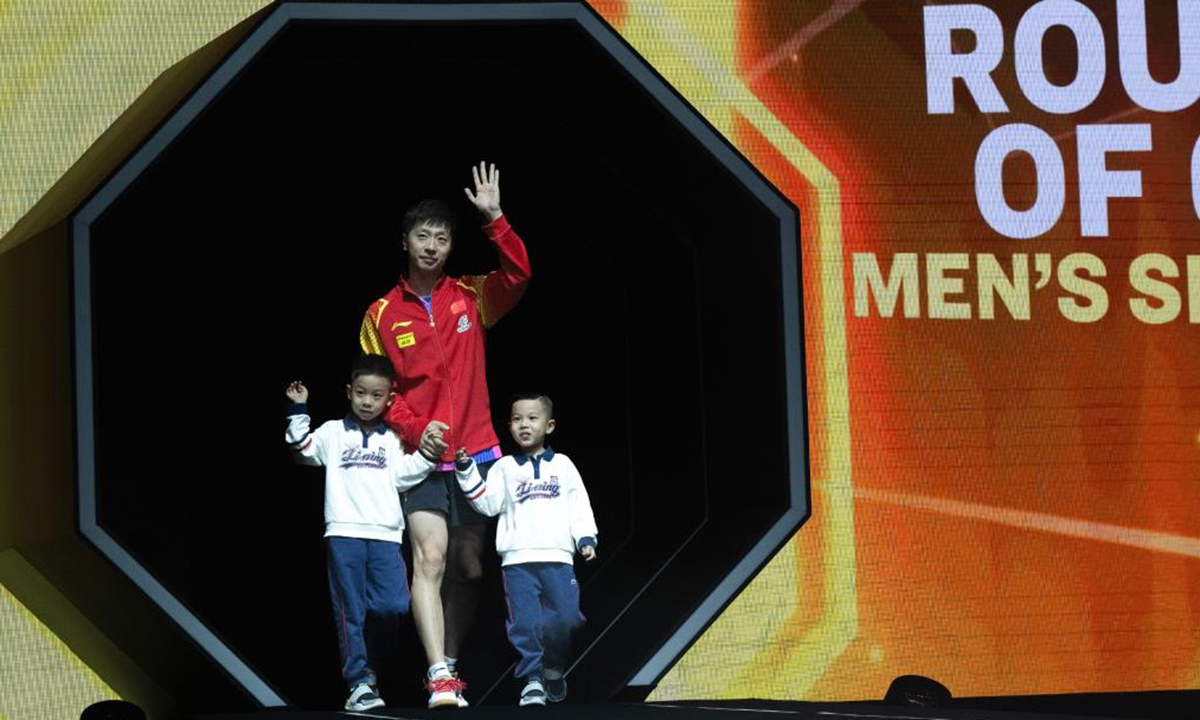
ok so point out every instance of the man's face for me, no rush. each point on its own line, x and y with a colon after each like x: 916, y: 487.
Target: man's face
x: 530, y: 424
x: 427, y: 247
x: 369, y: 396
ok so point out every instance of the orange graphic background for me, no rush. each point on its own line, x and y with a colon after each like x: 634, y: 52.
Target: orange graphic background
x: 1025, y: 512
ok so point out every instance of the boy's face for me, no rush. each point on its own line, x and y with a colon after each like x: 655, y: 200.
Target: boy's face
x: 427, y: 247
x: 530, y: 424
x: 369, y: 396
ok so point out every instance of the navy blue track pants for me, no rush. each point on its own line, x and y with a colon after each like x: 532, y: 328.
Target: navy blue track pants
x: 368, y: 587
x: 543, y: 614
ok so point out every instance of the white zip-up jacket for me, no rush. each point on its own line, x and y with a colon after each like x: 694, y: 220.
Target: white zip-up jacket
x: 545, y: 514
x: 364, y: 474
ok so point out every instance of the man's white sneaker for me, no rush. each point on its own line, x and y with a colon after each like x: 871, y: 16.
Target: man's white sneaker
x: 443, y: 692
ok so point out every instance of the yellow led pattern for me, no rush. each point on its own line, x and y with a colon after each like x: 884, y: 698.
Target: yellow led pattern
x: 693, y: 47
x: 69, y: 69
x: 41, y: 677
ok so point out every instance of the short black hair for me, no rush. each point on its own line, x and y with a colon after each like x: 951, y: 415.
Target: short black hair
x: 377, y: 365
x: 543, y: 398
x: 432, y: 212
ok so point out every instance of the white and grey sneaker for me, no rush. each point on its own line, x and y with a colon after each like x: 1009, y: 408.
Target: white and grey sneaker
x: 533, y: 694
x: 363, y: 697
x: 556, y: 684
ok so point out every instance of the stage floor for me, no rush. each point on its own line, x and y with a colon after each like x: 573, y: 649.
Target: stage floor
x: 723, y: 710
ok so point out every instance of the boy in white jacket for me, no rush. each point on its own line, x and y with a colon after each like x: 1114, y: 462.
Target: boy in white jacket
x: 365, y: 469
x: 545, y: 517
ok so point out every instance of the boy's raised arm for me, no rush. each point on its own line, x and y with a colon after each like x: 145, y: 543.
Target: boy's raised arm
x: 308, y: 446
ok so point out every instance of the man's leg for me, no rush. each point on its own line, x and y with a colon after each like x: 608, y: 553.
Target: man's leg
x: 428, y: 536
x: 460, y: 590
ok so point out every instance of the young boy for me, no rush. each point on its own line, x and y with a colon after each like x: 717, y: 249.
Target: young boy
x: 365, y: 469
x: 545, y: 516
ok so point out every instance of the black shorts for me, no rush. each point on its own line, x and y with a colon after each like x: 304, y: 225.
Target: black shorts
x: 440, y: 493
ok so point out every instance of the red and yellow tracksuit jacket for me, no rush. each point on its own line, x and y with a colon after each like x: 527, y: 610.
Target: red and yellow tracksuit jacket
x: 438, y: 353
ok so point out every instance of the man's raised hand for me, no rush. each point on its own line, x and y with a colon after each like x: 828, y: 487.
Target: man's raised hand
x: 296, y: 392
x: 486, y: 197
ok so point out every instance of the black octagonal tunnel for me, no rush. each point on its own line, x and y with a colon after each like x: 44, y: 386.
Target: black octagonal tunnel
x: 238, y: 246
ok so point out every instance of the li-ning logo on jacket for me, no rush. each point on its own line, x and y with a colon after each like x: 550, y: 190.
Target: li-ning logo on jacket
x: 544, y: 490
x: 463, y: 324
x: 356, y: 457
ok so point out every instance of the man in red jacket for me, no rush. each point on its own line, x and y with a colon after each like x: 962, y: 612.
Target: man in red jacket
x: 431, y: 327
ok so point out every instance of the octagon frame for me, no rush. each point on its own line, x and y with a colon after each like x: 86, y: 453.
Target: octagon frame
x: 640, y: 72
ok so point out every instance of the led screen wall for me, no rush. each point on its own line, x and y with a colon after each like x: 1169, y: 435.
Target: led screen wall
x: 997, y: 203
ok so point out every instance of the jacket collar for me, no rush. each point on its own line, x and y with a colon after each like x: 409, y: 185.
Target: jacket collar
x: 351, y: 423
x: 405, y: 288
x: 547, y: 454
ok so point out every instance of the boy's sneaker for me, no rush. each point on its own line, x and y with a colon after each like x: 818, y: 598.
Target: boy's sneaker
x: 363, y: 697
x: 533, y: 694
x: 556, y: 684
x: 443, y: 692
